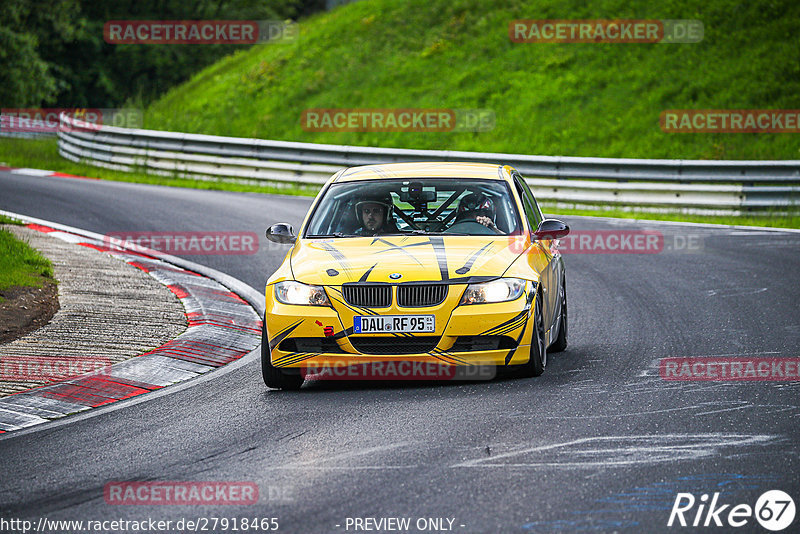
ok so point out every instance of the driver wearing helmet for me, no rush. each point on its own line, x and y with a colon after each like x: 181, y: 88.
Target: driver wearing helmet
x: 375, y: 215
x: 479, y: 208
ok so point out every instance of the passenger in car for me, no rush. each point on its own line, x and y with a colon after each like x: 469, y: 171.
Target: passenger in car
x: 375, y: 216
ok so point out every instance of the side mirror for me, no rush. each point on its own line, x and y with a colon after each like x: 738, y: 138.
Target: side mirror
x: 551, y: 229
x: 281, y: 233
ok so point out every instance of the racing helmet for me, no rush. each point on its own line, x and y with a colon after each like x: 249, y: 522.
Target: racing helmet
x: 476, y: 204
x: 384, y: 199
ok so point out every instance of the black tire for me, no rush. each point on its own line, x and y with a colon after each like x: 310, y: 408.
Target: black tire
x: 274, y: 377
x: 560, y: 344
x: 538, y: 353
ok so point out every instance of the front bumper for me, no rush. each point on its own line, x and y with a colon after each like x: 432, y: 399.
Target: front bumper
x: 495, y: 334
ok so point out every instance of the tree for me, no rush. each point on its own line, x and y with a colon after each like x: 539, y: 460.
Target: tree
x: 27, y: 30
x: 52, y: 52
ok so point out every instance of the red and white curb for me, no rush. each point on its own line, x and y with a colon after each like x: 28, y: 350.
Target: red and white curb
x: 41, y: 173
x: 222, y: 328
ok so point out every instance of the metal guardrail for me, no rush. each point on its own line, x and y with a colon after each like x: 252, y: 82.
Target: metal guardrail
x: 27, y: 135
x: 9, y: 129
x: 721, y: 185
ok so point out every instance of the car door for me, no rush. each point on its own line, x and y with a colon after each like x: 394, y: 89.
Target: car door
x: 556, y: 266
x: 541, y: 247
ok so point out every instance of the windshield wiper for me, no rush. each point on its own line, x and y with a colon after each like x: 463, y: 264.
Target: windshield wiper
x: 423, y: 232
x: 404, y: 232
x: 334, y: 234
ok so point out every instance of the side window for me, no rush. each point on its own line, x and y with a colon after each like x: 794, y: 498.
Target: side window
x: 536, y: 209
x: 532, y: 212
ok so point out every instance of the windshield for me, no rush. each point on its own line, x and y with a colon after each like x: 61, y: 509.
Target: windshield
x: 417, y: 206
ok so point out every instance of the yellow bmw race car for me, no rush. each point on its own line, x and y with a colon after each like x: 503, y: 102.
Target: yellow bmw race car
x: 416, y: 271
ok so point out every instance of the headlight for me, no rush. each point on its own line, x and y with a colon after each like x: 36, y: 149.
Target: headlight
x: 502, y: 290
x: 297, y: 293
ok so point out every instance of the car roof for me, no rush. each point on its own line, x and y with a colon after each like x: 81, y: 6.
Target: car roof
x: 390, y: 171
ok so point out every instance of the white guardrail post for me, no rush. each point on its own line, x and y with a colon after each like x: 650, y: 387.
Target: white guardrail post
x: 729, y: 186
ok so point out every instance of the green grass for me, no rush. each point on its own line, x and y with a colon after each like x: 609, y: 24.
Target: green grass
x: 9, y: 220
x: 20, y: 264
x: 552, y: 99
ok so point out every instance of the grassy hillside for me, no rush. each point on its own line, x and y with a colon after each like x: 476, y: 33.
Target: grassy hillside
x: 557, y: 99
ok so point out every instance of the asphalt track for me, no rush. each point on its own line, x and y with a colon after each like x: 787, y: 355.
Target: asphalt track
x: 598, y: 443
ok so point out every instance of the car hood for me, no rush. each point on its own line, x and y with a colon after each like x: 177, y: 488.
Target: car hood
x: 456, y: 259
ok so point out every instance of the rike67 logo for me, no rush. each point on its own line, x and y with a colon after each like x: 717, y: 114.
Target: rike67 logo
x: 774, y: 510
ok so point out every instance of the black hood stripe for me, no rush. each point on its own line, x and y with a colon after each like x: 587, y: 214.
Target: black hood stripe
x: 401, y: 248
x: 437, y: 242
x: 471, y: 261
x: 366, y: 274
x: 337, y: 255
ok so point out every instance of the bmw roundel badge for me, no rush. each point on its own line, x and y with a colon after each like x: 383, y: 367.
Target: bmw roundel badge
x: 395, y: 276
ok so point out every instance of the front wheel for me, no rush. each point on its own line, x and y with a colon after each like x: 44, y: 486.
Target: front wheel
x: 273, y: 376
x: 538, y: 356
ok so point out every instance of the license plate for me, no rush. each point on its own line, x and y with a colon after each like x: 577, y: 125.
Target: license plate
x: 390, y: 324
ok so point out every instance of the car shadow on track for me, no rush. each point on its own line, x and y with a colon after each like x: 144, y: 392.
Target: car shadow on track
x: 561, y: 370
